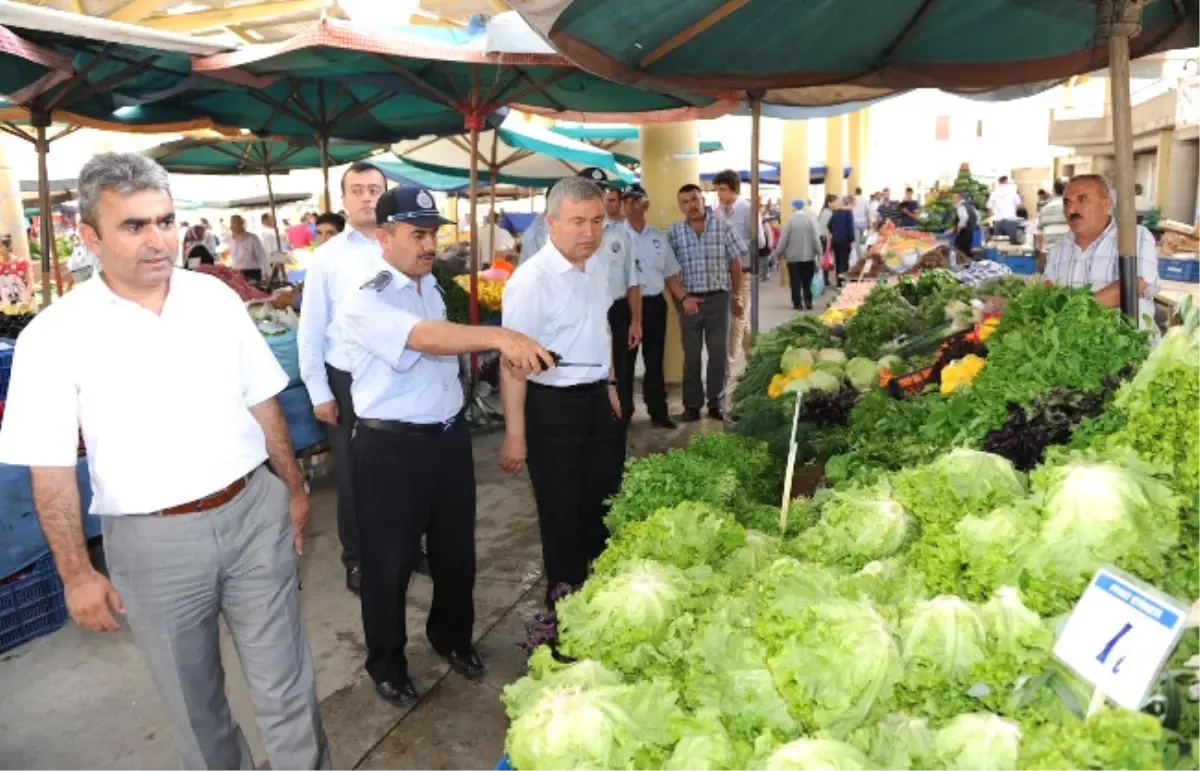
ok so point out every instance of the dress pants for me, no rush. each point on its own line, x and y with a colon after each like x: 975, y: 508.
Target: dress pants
x: 624, y: 364
x: 841, y: 258
x: 654, y: 344
x: 339, y: 444
x: 707, y: 330
x: 406, y: 486
x: 800, y: 278
x: 177, y: 575
x: 570, y: 430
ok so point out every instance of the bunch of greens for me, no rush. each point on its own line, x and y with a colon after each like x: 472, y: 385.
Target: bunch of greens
x: 802, y: 332
x: 884, y: 316
x: 931, y: 292
x: 1007, y: 287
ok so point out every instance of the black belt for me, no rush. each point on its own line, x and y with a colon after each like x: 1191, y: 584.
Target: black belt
x: 595, y: 385
x: 410, y: 429
x: 709, y: 294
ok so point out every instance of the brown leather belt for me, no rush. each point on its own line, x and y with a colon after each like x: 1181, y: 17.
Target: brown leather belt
x: 208, y: 502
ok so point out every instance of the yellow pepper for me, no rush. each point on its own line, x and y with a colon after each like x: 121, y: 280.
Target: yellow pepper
x: 961, y: 372
x: 988, y: 328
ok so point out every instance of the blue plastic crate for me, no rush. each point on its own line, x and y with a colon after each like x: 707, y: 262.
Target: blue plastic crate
x: 1022, y: 265
x: 304, y: 428
x: 31, y: 604
x: 6, y: 359
x: 1179, y: 270
x: 21, y: 538
x: 502, y: 764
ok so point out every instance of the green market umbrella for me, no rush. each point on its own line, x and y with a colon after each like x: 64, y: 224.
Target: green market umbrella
x: 623, y: 142
x: 255, y: 155
x: 836, y: 51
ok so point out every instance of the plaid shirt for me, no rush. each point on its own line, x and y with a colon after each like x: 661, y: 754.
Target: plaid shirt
x: 704, y: 259
x: 1096, y: 266
x: 976, y: 273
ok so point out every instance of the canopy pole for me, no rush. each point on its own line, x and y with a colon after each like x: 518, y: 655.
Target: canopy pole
x: 493, y: 174
x: 271, y: 204
x: 1125, y: 20
x: 41, y: 121
x: 755, y: 218
x: 323, y: 143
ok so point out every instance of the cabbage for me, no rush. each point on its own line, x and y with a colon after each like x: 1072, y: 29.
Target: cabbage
x: 1100, y: 512
x: 978, y: 742
x: 856, y: 527
x: 824, y: 381
x: 793, y: 358
x: 891, y: 362
x: 946, y: 633
x: 991, y: 549
x: 862, y: 373
x: 583, y: 716
x: 898, y: 742
x: 622, y: 618
x: 753, y: 556
x: 1011, y: 625
x: 817, y: 755
x: 704, y: 744
x: 831, y: 356
x: 974, y: 474
x: 686, y: 536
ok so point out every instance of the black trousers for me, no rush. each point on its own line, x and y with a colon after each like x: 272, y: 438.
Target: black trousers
x: 841, y: 257
x: 962, y: 241
x: 654, y: 345
x: 624, y: 362
x: 407, y: 486
x: 343, y: 463
x: 800, y: 278
x: 571, y: 437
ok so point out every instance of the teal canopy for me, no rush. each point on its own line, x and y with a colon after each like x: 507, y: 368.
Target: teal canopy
x: 404, y: 173
x: 252, y: 155
x: 624, y: 142
x: 832, y: 51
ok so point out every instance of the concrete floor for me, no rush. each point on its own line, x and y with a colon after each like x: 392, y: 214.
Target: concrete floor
x: 77, y: 699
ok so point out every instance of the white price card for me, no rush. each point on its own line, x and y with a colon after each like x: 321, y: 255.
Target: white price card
x: 1119, y: 636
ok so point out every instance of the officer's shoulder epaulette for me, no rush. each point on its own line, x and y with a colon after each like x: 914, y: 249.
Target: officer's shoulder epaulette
x: 379, y: 281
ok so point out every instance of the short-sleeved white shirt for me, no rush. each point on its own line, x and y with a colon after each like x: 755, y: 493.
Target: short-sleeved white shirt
x: 565, y: 309
x: 391, y: 381
x: 162, y: 400
x: 655, y: 259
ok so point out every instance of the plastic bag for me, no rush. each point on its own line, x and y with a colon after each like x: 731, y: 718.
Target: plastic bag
x: 818, y: 284
x: 827, y: 257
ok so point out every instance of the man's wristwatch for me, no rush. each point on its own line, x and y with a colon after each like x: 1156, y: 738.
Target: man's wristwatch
x: 612, y: 381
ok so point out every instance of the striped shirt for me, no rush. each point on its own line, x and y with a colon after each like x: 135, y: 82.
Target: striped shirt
x: 1096, y: 266
x: 704, y: 259
x: 1052, y: 223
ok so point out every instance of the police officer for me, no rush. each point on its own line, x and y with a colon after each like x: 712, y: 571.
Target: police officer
x: 413, y: 470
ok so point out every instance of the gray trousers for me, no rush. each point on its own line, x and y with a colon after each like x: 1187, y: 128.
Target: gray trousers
x: 708, y: 329
x: 176, y: 575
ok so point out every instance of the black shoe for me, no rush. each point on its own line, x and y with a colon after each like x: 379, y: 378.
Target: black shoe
x: 466, y: 662
x: 423, y: 563
x: 663, y: 422
x: 398, y: 693
x: 716, y: 413
x: 354, y: 579
x: 690, y: 416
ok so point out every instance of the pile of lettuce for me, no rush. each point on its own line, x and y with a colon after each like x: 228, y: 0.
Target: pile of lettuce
x: 907, y: 624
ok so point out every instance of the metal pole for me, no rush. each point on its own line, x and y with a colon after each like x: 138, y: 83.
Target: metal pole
x: 47, y: 215
x: 755, y: 221
x: 271, y: 203
x: 493, y: 173
x: 323, y: 142
x: 1119, y: 20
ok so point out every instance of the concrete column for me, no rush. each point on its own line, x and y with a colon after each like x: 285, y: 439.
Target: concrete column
x: 12, y: 211
x: 670, y: 159
x: 1162, y: 172
x: 835, y: 155
x: 1181, y: 197
x: 857, y: 142
x: 794, y: 171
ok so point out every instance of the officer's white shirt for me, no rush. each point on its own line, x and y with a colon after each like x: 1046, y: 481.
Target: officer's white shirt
x: 656, y: 259
x: 566, y: 310
x: 618, y: 250
x: 163, y: 400
x: 390, y: 380
x: 336, y: 268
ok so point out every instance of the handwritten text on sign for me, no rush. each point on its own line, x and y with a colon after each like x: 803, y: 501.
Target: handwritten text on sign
x: 1119, y: 635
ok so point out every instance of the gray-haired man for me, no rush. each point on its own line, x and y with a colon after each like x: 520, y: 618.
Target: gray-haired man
x: 186, y: 542
x: 565, y: 420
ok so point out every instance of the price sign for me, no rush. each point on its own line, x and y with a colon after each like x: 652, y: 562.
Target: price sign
x: 1119, y: 635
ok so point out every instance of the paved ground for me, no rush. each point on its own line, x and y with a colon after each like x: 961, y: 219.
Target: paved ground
x: 77, y: 699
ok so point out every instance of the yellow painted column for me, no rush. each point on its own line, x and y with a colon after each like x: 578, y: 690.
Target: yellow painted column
x: 1162, y: 174
x: 856, y: 140
x: 12, y: 211
x: 835, y: 155
x: 794, y: 171
x: 670, y: 159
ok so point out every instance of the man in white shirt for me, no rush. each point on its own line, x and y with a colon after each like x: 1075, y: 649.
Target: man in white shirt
x: 246, y: 252
x: 738, y: 212
x: 493, y: 239
x: 659, y: 271
x: 413, y: 470
x: 1003, y: 203
x: 862, y: 213
x: 186, y: 542
x: 565, y: 420
x: 267, y: 235
x: 1087, y: 256
x: 336, y: 269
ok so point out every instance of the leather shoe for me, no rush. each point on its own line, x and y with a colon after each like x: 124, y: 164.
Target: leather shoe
x: 466, y: 662
x: 354, y: 579
x: 398, y: 693
x: 690, y: 416
x: 663, y: 422
x: 716, y: 413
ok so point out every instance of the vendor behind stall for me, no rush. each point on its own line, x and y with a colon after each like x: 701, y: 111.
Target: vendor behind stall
x: 1087, y: 256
